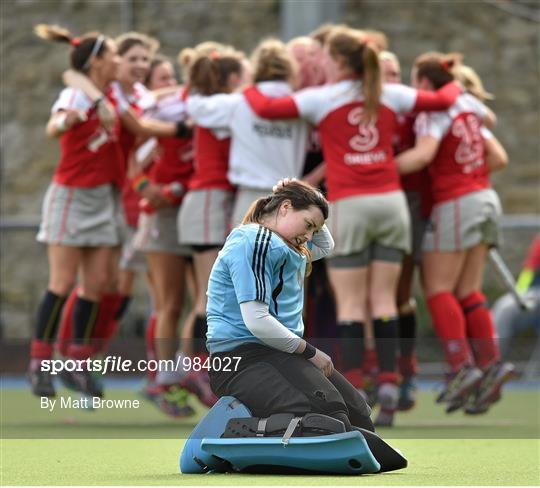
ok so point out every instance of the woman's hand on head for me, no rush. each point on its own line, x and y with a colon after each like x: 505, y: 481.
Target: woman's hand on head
x: 281, y: 183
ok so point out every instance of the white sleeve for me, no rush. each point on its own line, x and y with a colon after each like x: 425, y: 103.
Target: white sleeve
x: 400, y: 98
x: 266, y: 328
x: 71, y: 98
x: 169, y: 109
x: 311, y: 104
x: 215, y: 111
x: 432, y: 124
x: 322, y: 244
x: 479, y: 108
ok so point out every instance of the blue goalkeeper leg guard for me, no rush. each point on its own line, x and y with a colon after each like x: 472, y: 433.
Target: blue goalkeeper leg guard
x: 229, y: 440
x: 193, y: 459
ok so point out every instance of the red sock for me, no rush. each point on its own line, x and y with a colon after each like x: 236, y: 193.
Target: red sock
x: 387, y: 377
x: 370, y: 365
x: 480, y: 329
x: 65, y: 328
x: 41, y: 349
x: 449, y: 324
x: 80, y: 351
x: 355, y: 377
x: 106, y: 324
x: 407, y: 366
x: 150, y: 344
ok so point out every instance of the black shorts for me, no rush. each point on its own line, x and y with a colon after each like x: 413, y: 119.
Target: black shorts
x: 269, y: 381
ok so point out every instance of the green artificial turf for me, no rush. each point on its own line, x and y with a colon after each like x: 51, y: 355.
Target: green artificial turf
x: 141, y: 447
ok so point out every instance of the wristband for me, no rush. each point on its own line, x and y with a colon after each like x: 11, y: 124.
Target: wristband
x: 309, y: 351
x: 140, y: 182
x: 183, y: 131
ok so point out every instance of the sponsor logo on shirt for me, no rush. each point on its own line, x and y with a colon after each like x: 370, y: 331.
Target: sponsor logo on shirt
x: 273, y: 130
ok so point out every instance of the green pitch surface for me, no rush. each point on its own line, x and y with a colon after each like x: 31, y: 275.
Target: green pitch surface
x: 141, y: 446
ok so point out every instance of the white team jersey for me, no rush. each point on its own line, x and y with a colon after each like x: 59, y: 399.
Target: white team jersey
x: 262, y: 151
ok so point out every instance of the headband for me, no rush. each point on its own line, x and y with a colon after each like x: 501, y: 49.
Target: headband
x: 97, y: 46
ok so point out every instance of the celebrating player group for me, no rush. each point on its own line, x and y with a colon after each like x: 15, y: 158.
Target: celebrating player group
x: 237, y: 184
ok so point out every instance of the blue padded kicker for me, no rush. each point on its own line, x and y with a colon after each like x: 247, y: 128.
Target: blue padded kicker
x: 193, y: 459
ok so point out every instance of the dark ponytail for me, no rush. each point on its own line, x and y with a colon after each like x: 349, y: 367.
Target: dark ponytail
x: 438, y: 68
x: 209, y: 74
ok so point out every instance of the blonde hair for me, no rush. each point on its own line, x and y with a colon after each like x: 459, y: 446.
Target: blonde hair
x: 127, y: 40
x: 303, y: 41
x: 323, y: 32
x: 376, y: 37
x: 472, y: 82
x: 187, y: 56
x: 272, y: 61
x: 388, y: 56
x: 362, y: 58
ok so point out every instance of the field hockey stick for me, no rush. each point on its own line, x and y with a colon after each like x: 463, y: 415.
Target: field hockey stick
x: 506, y: 276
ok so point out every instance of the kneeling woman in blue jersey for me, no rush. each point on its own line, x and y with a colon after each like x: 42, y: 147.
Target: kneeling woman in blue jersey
x: 255, y: 300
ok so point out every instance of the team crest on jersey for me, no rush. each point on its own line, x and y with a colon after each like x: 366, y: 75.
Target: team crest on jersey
x: 368, y: 135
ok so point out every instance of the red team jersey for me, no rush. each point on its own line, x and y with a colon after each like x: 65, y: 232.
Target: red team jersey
x: 175, y: 163
x: 90, y: 155
x: 211, y: 160
x: 359, y: 154
x: 417, y: 182
x: 140, y: 100
x: 459, y: 166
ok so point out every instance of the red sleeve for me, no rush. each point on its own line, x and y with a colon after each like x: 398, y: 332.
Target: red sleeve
x: 271, y: 108
x: 442, y: 99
